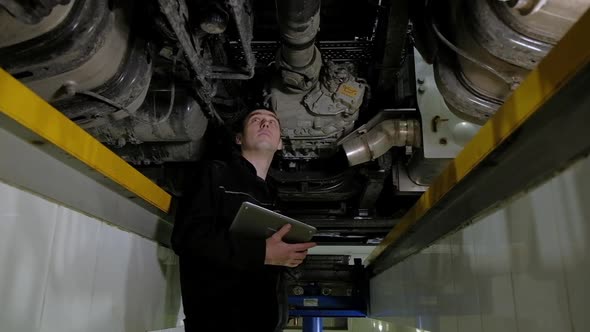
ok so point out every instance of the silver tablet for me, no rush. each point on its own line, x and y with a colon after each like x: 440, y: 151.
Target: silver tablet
x: 255, y: 221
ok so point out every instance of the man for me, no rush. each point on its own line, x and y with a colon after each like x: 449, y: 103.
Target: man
x: 230, y: 283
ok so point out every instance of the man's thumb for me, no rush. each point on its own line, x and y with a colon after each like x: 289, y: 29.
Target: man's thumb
x: 282, y: 232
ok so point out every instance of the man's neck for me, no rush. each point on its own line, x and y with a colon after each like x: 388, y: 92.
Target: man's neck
x: 260, y: 160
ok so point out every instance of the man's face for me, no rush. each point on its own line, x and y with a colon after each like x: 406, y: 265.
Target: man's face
x: 261, y: 132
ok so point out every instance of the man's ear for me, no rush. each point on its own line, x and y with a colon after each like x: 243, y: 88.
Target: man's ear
x: 239, y: 139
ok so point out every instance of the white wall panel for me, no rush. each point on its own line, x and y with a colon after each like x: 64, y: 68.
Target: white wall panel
x: 71, y: 273
x: 109, y: 294
x: 146, y: 280
x: 27, y: 226
x: 418, y: 293
x: 491, y: 268
x: 423, y: 291
x: 445, y: 288
x: 539, y: 287
x: 467, y: 306
x: 572, y: 197
x: 136, y: 284
x: 395, y: 305
x: 523, y: 267
x: 63, y: 271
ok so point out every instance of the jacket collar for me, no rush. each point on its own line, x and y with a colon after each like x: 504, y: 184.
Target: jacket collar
x: 244, y: 163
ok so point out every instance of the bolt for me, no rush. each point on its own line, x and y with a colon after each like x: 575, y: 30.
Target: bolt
x: 527, y: 7
x: 121, y: 142
x: 421, y: 89
x: 436, y: 122
x: 515, y: 83
x: 298, y: 290
x: 443, y: 141
x: 214, y: 21
x: 70, y: 88
x: 420, y: 80
x: 519, y: 4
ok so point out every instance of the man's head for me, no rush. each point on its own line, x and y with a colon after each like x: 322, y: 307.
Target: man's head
x: 261, y: 131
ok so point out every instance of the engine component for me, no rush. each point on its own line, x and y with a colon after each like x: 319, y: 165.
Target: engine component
x: 167, y: 127
x: 177, y: 14
x: 501, y: 40
x: 460, y: 98
x: 127, y: 89
x: 159, y: 119
x: 379, y: 135
x: 317, y: 105
x: 374, y: 142
x: 496, y: 43
x: 241, y: 13
x: 94, y: 72
x: 214, y: 19
x: 422, y: 171
x: 313, y: 122
x: 31, y: 12
x: 546, y: 20
x: 374, y: 184
x: 319, y: 186
x: 298, y: 60
x: 393, y: 46
x: 158, y: 153
x: 204, y: 47
x: 13, y: 31
x: 87, y: 48
x: 444, y: 133
x: 476, y: 90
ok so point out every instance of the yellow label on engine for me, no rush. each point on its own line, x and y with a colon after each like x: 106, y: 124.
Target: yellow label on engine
x: 349, y: 90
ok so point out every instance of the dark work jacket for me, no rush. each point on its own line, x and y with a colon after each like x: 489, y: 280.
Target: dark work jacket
x: 224, y: 282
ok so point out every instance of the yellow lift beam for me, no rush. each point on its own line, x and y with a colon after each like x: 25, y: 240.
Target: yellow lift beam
x: 20, y: 104
x: 569, y: 57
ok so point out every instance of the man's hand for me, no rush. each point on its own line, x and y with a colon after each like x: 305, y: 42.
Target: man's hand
x: 281, y: 253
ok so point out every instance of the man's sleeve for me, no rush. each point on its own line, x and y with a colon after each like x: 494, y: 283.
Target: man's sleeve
x: 197, y: 236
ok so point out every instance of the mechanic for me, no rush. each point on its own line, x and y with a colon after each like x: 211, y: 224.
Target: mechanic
x: 229, y: 283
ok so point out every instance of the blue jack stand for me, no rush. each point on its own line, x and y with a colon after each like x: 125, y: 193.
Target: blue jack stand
x: 312, y: 324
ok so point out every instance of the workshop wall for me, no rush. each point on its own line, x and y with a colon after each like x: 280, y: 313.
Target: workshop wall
x: 523, y: 267
x: 64, y: 271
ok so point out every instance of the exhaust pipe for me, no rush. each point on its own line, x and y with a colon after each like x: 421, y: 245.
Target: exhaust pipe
x: 377, y: 141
